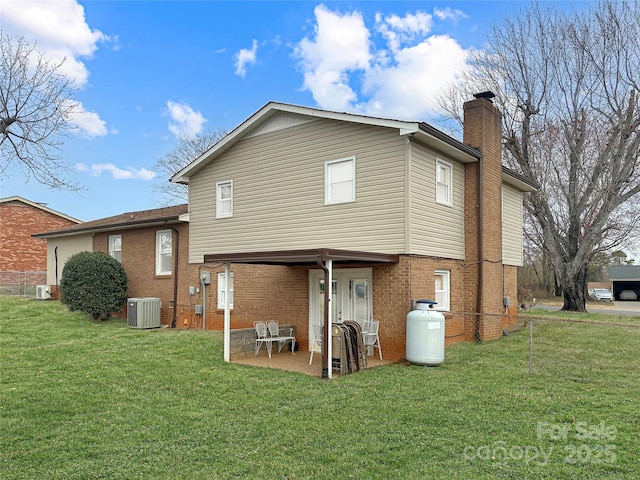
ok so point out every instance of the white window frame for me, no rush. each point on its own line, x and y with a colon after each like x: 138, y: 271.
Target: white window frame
x: 221, y: 290
x: 220, y: 212
x: 113, y: 251
x: 160, y: 253
x: 443, y: 296
x: 328, y: 195
x: 447, y: 198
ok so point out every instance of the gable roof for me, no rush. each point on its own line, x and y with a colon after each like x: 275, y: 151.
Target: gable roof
x: 16, y: 200
x: 420, y: 130
x: 142, y: 218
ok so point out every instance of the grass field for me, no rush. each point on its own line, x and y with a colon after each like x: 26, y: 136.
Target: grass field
x: 86, y: 400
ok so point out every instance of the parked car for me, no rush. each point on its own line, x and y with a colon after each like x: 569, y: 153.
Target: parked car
x: 601, y: 295
x: 628, y: 295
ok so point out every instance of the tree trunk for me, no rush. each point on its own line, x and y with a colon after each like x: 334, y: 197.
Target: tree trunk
x: 574, y: 289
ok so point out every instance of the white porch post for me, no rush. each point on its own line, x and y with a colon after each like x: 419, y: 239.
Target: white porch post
x: 329, y: 291
x: 227, y: 312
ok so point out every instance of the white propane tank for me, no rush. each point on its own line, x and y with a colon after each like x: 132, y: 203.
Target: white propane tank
x: 425, y: 334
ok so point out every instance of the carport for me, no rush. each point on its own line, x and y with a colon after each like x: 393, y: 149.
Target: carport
x: 324, y: 258
x: 624, y: 278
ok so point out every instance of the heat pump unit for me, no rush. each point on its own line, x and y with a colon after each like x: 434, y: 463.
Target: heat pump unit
x: 143, y: 312
x: 42, y: 292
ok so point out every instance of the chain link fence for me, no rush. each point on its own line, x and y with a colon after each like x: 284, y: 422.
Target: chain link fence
x: 21, y: 284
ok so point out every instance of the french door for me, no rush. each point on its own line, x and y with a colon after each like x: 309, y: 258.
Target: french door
x: 350, y: 297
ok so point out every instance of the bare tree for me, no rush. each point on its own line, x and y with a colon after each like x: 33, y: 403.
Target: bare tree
x: 567, y: 84
x: 187, y: 150
x: 35, y: 108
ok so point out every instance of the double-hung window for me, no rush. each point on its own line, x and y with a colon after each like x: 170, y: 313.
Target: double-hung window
x: 115, y: 247
x: 444, y: 183
x: 164, y: 252
x: 224, y: 199
x: 340, y: 181
x: 442, y: 289
x: 222, y: 284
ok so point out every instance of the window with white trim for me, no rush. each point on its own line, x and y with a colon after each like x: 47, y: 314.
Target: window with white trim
x: 222, y: 290
x: 444, y: 183
x: 224, y: 199
x: 340, y: 181
x: 164, y: 252
x: 115, y: 247
x: 442, y: 289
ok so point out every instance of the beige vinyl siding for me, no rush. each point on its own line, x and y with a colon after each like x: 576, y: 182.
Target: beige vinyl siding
x: 511, y: 226
x: 436, y: 229
x: 67, y: 246
x: 278, y: 192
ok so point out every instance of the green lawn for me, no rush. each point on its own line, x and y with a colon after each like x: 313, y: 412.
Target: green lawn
x: 98, y: 400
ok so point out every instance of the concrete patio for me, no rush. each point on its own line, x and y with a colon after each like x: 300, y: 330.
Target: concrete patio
x: 297, y: 363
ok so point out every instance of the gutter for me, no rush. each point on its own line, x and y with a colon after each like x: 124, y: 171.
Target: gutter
x: 112, y: 227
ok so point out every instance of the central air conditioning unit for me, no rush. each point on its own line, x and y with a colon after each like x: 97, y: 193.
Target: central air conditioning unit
x: 42, y: 292
x: 143, y: 312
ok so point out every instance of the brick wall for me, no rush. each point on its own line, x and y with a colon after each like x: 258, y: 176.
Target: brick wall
x: 139, y: 261
x: 395, y: 287
x: 263, y: 292
x: 18, y: 250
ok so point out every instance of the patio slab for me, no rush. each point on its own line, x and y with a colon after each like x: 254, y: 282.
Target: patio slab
x: 297, y: 363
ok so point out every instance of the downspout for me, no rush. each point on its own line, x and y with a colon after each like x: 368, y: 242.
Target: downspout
x: 55, y: 254
x: 479, y: 309
x: 325, y: 331
x: 176, y: 259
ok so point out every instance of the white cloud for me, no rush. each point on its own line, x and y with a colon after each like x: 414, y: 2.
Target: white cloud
x: 398, y: 31
x: 86, y: 123
x: 185, y: 121
x: 449, y: 14
x: 344, y: 69
x: 340, y: 45
x: 129, y: 173
x: 246, y: 57
x: 60, y: 30
x: 408, y: 88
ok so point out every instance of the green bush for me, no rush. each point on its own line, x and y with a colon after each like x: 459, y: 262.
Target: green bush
x: 94, y: 283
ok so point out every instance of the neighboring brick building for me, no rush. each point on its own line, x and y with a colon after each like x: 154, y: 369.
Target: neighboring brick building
x: 19, y: 219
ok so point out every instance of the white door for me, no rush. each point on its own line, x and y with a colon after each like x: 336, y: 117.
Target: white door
x: 351, y: 297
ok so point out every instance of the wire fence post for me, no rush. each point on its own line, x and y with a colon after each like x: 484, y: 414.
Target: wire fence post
x: 530, y: 343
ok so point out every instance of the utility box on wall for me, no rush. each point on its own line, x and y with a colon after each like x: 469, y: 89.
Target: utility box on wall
x: 143, y: 312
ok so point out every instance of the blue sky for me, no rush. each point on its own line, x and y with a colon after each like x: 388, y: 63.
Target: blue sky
x: 149, y: 71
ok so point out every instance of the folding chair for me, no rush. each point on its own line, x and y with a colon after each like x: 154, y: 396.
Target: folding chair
x: 317, y: 340
x: 262, y: 337
x: 370, y: 336
x: 276, y: 336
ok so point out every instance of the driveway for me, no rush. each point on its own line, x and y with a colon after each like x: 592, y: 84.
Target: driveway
x: 616, y: 308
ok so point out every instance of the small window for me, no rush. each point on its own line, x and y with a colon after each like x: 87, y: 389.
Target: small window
x: 224, y: 199
x: 444, y: 183
x: 442, y: 289
x: 115, y: 247
x: 221, y: 290
x: 340, y: 181
x: 164, y: 252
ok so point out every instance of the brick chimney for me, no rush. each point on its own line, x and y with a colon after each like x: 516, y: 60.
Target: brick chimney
x: 483, y: 218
